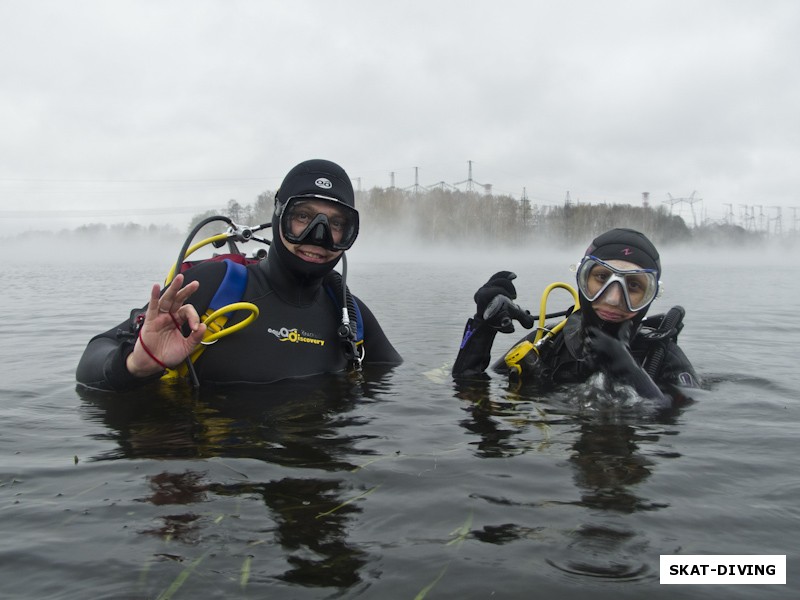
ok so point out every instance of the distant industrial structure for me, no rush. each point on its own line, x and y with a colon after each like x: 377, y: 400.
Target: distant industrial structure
x: 749, y: 217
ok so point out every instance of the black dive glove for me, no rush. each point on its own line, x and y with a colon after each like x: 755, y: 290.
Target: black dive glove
x: 495, y: 306
x: 613, y: 356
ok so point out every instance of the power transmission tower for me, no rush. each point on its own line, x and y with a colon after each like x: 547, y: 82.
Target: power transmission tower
x: 760, y: 226
x: 487, y: 187
x: 526, y: 211
x: 729, y: 214
x: 691, y: 201
x: 672, y: 202
x: 777, y: 228
x: 417, y: 188
x: 748, y: 218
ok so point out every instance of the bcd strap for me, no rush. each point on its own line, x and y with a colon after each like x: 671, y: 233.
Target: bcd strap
x: 230, y: 291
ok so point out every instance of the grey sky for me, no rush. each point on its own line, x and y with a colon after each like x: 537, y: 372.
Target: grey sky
x: 177, y: 106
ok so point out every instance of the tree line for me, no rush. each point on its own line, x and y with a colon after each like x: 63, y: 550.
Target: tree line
x: 451, y: 216
x: 443, y: 216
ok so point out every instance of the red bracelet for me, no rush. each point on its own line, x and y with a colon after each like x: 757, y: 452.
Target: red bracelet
x: 150, y: 354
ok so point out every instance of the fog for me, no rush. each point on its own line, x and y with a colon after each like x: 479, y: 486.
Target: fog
x: 399, y: 247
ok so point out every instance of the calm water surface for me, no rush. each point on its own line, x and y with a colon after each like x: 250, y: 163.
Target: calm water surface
x: 400, y: 485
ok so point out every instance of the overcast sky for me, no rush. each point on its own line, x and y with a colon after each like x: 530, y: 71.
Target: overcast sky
x: 153, y: 110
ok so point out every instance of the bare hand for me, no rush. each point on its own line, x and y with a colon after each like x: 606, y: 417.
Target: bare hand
x: 161, y: 331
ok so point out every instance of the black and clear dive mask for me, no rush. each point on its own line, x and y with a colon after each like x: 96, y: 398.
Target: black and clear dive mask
x: 639, y: 286
x: 334, y: 232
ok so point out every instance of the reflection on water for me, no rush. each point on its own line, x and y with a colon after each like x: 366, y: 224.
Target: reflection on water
x: 300, y: 426
x: 605, y: 454
x: 608, y: 466
x: 177, y: 489
x: 311, y: 519
x: 292, y: 423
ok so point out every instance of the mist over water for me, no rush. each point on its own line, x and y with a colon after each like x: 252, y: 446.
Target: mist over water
x: 396, y: 244
x: 405, y: 249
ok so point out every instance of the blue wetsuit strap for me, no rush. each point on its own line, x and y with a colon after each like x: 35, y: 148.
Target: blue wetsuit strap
x: 359, y: 323
x: 232, y: 288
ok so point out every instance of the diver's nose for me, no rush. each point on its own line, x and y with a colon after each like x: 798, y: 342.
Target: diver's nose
x: 318, y: 234
x: 613, y: 295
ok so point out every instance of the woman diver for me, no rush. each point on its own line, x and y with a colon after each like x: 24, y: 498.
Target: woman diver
x: 617, y: 280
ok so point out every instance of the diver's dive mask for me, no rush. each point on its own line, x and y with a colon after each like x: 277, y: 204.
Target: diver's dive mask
x: 639, y: 286
x: 319, y: 221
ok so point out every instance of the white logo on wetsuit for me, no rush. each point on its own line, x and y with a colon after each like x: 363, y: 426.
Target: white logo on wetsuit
x: 285, y: 334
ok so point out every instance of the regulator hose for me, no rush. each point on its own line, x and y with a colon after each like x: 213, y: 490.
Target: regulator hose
x: 543, y: 316
x: 186, y: 250
x: 347, y: 330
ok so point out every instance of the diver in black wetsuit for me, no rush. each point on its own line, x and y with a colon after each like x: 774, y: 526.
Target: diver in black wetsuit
x: 617, y: 279
x: 296, y: 333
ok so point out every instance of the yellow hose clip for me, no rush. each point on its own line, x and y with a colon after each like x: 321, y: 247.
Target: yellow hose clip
x: 218, y: 330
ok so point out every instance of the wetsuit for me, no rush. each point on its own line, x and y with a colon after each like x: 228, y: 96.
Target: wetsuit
x: 295, y: 334
x: 562, y: 359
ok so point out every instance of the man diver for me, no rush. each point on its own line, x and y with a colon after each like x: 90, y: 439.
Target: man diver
x: 617, y: 280
x: 297, y: 331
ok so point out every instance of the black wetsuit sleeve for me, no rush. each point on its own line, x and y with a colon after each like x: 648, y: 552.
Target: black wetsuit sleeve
x: 377, y: 347
x: 475, y: 351
x: 102, y: 365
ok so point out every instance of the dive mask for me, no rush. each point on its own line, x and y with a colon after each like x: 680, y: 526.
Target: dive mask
x: 302, y: 222
x: 639, y: 286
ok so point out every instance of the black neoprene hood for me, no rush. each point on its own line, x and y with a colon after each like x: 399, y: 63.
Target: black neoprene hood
x: 317, y: 177
x: 625, y: 244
